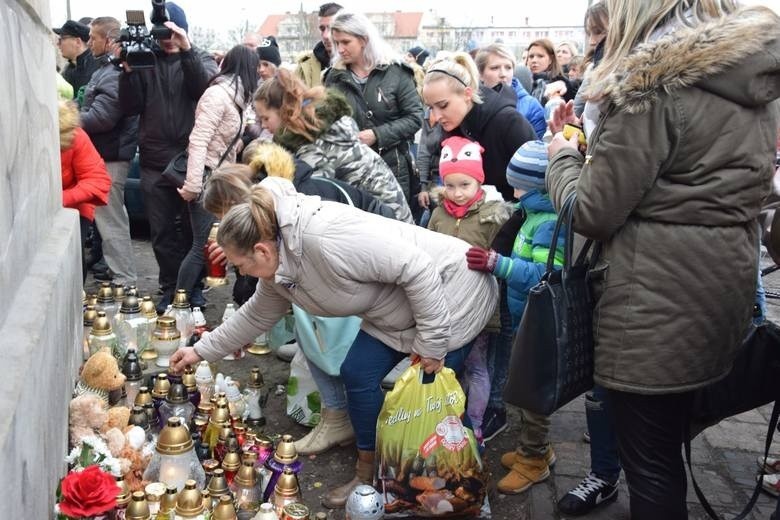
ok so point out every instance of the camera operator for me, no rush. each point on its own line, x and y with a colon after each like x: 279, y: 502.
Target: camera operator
x: 165, y: 97
x: 115, y: 137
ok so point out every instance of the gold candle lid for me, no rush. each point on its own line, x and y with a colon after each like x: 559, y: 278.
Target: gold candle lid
x: 188, y: 378
x: 256, y: 378
x: 189, y: 502
x: 138, y: 509
x: 125, y: 495
x: 92, y: 300
x: 166, y: 329
x: 285, y: 452
x: 205, y: 407
x: 231, y: 462
x: 206, y: 496
x: 180, y: 300
x: 90, y: 315
x: 213, y: 231
x: 295, y: 511
x: 218, y: 483
x: 105, y: 293
x: 130, y: 305
x: 246, y: 476
x: 224, y: 510
x: 223, y: 434
x: 168, y: 502
x: 143, y: 397
x: 161, y: 386
x: 249, y: 456
x: 119, y: 293
x: 220, y: 415
x: 287, y: 485
x: 174, y: 438
x: 102, y: 325
x: 147, y: 308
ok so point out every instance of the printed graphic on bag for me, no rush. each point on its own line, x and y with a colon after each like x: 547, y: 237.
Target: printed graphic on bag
x: 429, y: 465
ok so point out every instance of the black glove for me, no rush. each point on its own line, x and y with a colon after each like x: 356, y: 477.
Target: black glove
x: 505, y: 238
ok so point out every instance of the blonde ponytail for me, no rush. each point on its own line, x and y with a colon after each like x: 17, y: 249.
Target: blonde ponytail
x: 459, y: 70
x: 227, y: 186
x: 249, y: 222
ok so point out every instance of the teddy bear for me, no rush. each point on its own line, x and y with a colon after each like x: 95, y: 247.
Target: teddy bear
x: 87, y: 417
x: 134, y: 458
x: 100, y: 375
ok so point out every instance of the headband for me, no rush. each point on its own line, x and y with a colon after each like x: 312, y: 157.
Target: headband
x: 450, y: 75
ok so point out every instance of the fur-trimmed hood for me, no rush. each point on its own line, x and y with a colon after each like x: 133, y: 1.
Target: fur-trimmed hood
x: 330, y: 110
x: 736, y: 57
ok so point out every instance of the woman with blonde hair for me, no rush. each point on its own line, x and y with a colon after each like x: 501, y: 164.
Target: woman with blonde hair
x: 380, y: 88
x: 681, y: 159
x: 330, y: 259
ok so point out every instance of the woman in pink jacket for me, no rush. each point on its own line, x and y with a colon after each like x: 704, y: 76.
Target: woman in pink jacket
x: 85, y: 180
x: 218, y: 120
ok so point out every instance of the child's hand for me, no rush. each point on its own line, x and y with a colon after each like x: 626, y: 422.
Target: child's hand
x: 479, y: 259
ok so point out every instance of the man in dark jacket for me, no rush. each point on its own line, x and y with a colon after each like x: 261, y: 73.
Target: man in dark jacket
x: 311, y: 64
x: 114, y: 136
x: 165, y: 97
x: 72, y: 42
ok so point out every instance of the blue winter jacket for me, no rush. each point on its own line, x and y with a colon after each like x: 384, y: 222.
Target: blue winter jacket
x: 530, y: 107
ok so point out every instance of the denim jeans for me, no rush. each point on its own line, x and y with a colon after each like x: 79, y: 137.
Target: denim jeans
x: 367, y: 363
x: 478, y: 381
x: 191, y: 269
x: 114, y: 226
x: 499, y: 350
x: 604, y: 460
x: 331, y: 388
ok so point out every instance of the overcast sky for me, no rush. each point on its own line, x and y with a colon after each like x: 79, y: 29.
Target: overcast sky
x: 227, y: 14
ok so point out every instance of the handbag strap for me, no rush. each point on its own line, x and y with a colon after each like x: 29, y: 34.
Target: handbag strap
x: 756, y: 492
x: 563, y: 215
x: 235, y: 139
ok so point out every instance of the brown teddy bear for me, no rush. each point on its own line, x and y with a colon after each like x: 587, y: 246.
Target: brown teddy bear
x: 100, y: 375
x: 88, y: 417
x: 134, y: 458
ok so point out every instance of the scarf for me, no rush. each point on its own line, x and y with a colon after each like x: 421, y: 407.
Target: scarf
x: 457, y: 211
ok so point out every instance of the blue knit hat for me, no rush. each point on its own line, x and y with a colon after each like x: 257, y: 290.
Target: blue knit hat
x: 176, y: 15
x: 527, y: 167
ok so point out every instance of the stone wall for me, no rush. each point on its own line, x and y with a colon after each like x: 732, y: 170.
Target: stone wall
x: 40, y: 268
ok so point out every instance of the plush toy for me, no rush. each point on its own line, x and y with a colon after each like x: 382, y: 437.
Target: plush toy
x: 134, y: 458
x: 100, y: 375
x: 115, y: 440
x: 88, y: 417
x: 118, y: 417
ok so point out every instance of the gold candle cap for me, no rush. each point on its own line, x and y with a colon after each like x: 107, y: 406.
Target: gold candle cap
x: 101, y: 326
x: 189, y: 502
x: 105, y: 293
x: 180, y: 300
x: 295, y: 511
x: 119, y: 293
x: 218, y: 483
x: 92, y: 299
x: 143, y: 397
x: 166, y: 328
x: 285, y: 452
x: 90, y: 315
x: 246, y: 476
x: 174, y: 438
x: 205, y: 407
x: 223, y: 434
x: 177, y: 394
x: 213, y: 231
x: 256, y: 378
x: 232, y: 461
x: 287, y: 485
x: 125, y: 495
x: 249, y: 456
x: 138, y: 509
x: 147, y: 308
x: 130, y: 305
x: 188, y: 379
x: 206, y: 497
x: 161, y: 386
x: 168, y: 502
x: 220, y: 414
x: 224, y: 510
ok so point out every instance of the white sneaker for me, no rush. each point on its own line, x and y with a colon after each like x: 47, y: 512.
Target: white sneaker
x: 771, y: 465
x: 771, y: 484
x: 287, y: 352
x: 389, y: 381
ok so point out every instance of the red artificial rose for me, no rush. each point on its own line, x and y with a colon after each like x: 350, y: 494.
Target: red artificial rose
x: 88, y: 493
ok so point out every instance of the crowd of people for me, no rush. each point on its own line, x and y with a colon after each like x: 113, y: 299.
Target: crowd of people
x: 418, y: 193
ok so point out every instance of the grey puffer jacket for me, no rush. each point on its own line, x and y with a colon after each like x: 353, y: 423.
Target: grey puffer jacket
x: 114, y: 135
x: 411, y: 286
x: 389, y: 105
x: 165, y: 97
x: 672, y: 184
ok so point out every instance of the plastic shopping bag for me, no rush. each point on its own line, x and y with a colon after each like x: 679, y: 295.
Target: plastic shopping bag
x: 303, y: 398
x: 428, y: 462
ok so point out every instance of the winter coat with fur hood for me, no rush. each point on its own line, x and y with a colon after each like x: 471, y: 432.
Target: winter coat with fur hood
x: 405, y: 282
x: 672, y: 183
x: 217, y: 121
x: 85, y: 179
x: 337, y: 153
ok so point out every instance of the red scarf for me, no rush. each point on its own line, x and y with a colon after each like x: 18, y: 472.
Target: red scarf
x: 457, y: 211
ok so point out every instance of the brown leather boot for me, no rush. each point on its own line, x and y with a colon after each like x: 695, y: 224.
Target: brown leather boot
x: 364, y: 474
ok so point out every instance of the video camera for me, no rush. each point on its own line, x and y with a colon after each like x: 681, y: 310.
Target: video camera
x: 137, y: 42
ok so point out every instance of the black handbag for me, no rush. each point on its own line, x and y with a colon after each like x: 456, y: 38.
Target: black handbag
x: 552, y: 352
x: 175, y: 173
x: 754, y: 381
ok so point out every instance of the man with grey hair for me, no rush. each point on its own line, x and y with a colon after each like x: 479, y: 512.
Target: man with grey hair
x: 311, y: 64
x: 115, y: 137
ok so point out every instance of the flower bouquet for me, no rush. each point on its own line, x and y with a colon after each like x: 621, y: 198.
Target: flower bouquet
x: 89, y: 490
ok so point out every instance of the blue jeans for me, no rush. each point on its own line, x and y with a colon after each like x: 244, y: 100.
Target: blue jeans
x: 499, y: 350
x: 367, y: 363
x: 331, y: 388
x: 191, y: 269
x: 604, y: 460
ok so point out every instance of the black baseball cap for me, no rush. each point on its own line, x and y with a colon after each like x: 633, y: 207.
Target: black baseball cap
x: 73, y: 28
